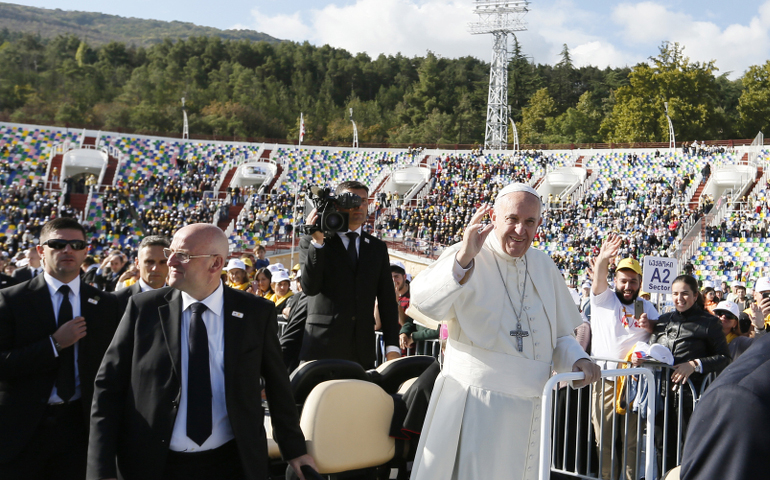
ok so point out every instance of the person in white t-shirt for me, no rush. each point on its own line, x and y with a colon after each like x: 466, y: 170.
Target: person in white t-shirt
x: 615, y: 331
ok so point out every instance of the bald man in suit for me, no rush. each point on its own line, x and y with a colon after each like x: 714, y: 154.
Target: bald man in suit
x: 190, y: 406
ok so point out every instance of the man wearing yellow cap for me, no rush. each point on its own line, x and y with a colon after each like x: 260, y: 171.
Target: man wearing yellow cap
x: 615, y: 331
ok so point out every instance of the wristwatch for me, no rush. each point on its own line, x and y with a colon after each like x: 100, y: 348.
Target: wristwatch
x: 56, y: 345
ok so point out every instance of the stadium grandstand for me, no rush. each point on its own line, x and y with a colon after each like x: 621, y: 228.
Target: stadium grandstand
x: 126, y: 186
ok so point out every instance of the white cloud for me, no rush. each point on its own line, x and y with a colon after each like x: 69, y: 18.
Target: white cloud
x: 734, y: 47
x: 624, y: 35
x: 282, y: 26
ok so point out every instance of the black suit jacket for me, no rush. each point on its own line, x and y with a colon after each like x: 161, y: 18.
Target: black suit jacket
x: 138, y: 388
x: 22, y: 274
x: 125, y: 294
x: 340, y: 312
x: 6, y: 281
x: 291, y: 339
x: 730, y: 429
x: 28, y: 364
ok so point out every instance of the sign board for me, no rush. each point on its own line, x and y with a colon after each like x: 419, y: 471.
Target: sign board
x: 658, y: 274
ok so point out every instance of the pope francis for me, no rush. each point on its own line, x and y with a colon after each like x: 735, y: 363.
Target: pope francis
x: 510, y: 320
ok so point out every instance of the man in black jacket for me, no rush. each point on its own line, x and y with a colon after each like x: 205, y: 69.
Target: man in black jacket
x: 153, y: 269
x: 728, y: 432
x: 54, y: 330
x: 178, y: 395
x: 32, y: 269
x: 342, y: 276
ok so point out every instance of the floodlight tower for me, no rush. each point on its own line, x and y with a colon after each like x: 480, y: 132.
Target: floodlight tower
x: 501, y: 18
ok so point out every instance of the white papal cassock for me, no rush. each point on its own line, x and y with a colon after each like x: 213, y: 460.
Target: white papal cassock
x: 483, y: 421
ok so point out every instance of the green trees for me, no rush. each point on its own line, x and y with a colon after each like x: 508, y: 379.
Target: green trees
x: 690, y: 88
x: 237, y: 88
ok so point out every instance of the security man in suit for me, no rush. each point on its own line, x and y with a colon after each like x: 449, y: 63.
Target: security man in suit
x: 343, y: 276
x: 178, y: 395
x: 32, y: 269
x: 152, y: 266
x: 54, y: 330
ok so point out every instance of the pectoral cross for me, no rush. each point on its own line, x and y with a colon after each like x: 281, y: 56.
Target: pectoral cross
x: 519, y: 334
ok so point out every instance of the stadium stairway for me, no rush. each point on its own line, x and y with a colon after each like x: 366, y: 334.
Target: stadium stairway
x: 695, y: 200
x: 232, y: 214
x: 89, y: 141
x: 109, y: 174
x: 579, y: 162
x: 278, y: 172
x: 78, y: 201
x: 226, y: 183
x: 55, y: 164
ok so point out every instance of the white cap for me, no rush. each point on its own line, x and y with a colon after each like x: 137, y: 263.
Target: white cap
x: 728, y: 306
x: 517, y: 187
x: 587, y: 284
x: 280, y: 276
x: 275, y: 268
x: 235, y: 263
x: 708, y: 284
x: 739, y: 284
x: 661, y: 354
x: 762, y: 285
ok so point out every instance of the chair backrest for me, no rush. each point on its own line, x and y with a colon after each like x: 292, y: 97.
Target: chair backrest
x: 346, y: 425
x: 306, y: 376
x: 673, y: 474
x: 390, y: 375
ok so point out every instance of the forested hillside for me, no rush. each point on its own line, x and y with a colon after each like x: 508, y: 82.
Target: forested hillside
x: 100, y: 28
x: 243, y: 89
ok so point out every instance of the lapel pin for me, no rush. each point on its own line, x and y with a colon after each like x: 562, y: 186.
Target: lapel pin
x: 237, y: 314
x: 366, y: 240
x: 94, y: 300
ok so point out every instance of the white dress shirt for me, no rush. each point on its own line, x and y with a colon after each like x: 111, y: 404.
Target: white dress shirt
x: 213, y: 318
x: 56, y: 298
x: 144, y: 287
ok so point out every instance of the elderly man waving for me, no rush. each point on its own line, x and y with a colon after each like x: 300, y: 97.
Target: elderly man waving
x: 511, y: 321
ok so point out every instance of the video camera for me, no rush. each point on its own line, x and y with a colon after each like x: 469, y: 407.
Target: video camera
x: 330, y: 220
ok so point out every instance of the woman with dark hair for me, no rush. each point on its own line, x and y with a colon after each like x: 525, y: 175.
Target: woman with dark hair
x: 262, y: 287
x: 710, y: 299
x: 695, y: 338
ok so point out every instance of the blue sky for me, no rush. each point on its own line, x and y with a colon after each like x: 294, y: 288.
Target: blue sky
x: 600, y: 32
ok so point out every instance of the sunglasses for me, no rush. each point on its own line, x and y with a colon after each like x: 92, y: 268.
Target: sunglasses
x: 59, y: 244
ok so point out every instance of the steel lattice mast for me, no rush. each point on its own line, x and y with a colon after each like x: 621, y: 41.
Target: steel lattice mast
x: 500, y: 18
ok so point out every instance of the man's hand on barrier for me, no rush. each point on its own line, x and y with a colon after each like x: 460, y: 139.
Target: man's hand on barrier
x: 591, y: 370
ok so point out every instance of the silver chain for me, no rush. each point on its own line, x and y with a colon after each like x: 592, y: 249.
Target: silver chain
x: 522, y: 293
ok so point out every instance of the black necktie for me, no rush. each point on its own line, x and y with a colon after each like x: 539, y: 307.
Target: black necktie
x: 352, y: 253
x: 65, y: 379
x: 198, y: 378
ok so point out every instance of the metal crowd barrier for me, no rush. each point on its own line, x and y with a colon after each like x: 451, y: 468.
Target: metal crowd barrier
x: 556, y: 444
x: 428, y: 347
x: 625, y: 450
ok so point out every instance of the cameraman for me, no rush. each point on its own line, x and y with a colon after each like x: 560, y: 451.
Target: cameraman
x: 342, y: 276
